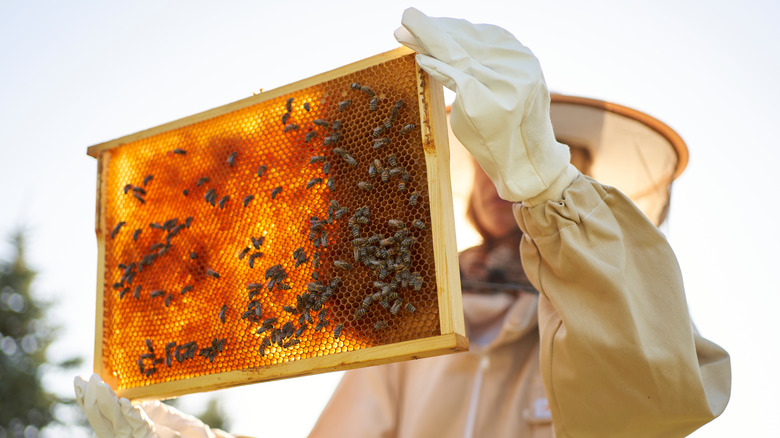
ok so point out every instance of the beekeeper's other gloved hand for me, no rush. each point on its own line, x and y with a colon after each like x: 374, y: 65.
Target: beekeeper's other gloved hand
x: 501, y: 112
x: 114, y: 417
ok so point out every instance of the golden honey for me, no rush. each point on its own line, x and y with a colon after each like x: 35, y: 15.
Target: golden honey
x: 292, y: 228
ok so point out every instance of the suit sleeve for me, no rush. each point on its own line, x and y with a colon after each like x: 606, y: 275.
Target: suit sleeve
x: 619, y: 354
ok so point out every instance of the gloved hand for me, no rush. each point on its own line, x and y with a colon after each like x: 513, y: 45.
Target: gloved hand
x: 114, y: 417
x: 501, y: 112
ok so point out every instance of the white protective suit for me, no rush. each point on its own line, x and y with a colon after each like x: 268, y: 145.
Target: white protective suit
x: 606, y: 350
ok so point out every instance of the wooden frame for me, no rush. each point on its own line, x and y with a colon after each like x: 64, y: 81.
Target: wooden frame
x: 452, y: 331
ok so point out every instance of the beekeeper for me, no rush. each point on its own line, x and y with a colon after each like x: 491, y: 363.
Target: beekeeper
x: 589, y: 337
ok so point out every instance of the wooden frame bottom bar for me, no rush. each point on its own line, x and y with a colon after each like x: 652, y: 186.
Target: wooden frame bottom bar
x: 415, y: 349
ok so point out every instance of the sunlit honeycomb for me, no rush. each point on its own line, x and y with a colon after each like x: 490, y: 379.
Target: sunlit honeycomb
x: 293, y: 228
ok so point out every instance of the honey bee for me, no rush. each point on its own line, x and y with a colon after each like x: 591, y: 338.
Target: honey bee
x: 392, y: 160
x: 373, y: 104
x: 378, y: 143
x: 326, y: 168
x: 307, y: 106
x: 157, y: 293
x: 351, y: 161
x: 193, y: 255
x: 310, y: 136
x: 201, y: 181
x: 396, y: 306
x: 285, y: 118
x: 398, y: 106
x: 168, y: 299
x: 248, y: 199
x: 331, y: 185
x: 320, y: 122
x: 275, y: 192
x: 139, y: 190
x: 212, y: 273
x: 380, y: 325
x: 243, y: 252
x: 188, y: 222
x: 367, y: 301
x: 269, y: 322
x: 257, y: 241
x: 116, y: 229
x: 139, y: 197
x: 223, y: 202
x: 361, y: 312
x: 147, y: 178
x: 291, y: 343
x: 210, y: 195
x: 186, y: 289
x: 288, y: 105
x: 401, y: 186
x: 141, y: 365
x: 179, y: 151
x: 253, y: 257
x: 363, y: 185
x: 222, y: 312
x: 413, y: 198
x: 419, y: 224
x: 185, y: 192
x: 337, y: 330
x: 124, y: 292
x: 137, y: 292
x: 149, y: 346
x: 408, y: 128
x: 291, y: 127
x: 395, y: 223
x: 312, y: 182
x: 355, y: 86
x: 344, y: 104
x: 329, y: 140
x: 377, y: 131
x: 232, y: 159
x: 127, y: 188
x: 337, y: 125
x: 261, y: 170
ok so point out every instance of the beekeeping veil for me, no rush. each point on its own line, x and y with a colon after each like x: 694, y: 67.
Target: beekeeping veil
x: 630, y: 150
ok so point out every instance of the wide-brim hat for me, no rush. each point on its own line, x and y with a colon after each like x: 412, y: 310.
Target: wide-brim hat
x: 630, y: 150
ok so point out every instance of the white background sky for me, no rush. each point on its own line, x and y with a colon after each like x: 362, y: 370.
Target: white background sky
x: 77, y: 73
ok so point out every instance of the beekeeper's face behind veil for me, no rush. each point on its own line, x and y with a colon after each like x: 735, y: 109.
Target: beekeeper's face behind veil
x: 616, y: 145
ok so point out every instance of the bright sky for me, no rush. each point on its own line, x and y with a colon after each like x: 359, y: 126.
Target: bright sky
x: 82, y: 72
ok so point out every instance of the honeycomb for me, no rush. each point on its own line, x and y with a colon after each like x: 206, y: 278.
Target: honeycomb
x: 289, y: 229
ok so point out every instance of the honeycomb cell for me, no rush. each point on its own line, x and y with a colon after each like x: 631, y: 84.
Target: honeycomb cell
x: 252, y: 238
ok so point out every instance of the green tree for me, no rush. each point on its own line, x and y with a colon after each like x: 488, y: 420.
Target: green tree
x: 25, y: 406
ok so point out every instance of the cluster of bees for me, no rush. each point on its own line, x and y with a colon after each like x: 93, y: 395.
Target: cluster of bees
x: 387, y: 257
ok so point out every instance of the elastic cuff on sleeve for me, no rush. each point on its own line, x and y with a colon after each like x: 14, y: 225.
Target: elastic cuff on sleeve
x: 555, y: 191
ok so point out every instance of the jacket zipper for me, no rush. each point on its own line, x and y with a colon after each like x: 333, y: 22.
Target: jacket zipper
x: 484, y: 363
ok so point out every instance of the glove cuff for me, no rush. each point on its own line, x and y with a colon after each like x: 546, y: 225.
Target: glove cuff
x: 555, y: 190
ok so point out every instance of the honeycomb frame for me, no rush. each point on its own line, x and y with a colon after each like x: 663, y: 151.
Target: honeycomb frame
x: 185, y: 305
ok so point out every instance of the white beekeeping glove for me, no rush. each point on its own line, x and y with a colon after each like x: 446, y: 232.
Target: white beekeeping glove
x: 114, y: 417
x: 501, y: 112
